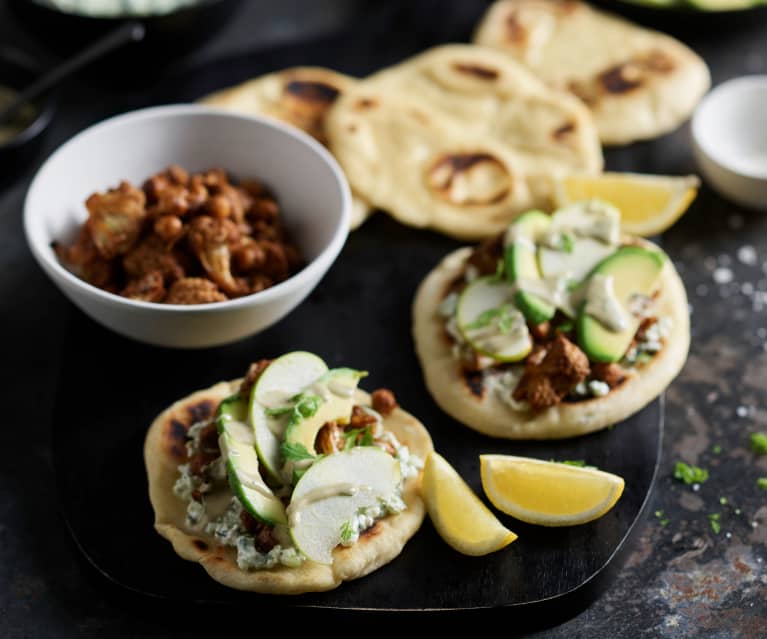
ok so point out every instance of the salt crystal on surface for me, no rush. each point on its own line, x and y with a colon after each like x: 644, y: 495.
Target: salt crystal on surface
x: 747, y: 255
x: 741, y: 411
x: 747, y: 288
x: 696, y: 487
x: 722, y: 275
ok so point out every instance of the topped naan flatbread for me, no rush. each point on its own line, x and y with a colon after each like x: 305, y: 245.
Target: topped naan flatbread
x: 300, y: 96
x: 165, y: 449
x: 638, y: 83
x: 459, y: 139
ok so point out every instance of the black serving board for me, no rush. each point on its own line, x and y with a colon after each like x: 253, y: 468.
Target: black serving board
x: 359, y: 315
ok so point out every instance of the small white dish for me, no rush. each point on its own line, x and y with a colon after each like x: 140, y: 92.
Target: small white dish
x: 307, y: 181
x: 729, y: 133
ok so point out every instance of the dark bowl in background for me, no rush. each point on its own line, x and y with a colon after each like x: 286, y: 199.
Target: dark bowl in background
x: 685, y: 19
x: 17, y: 70
x: 168, y: 37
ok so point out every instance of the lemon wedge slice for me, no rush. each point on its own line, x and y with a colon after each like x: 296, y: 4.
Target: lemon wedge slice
x: 548, y: 493
x: 458, y: 514
x: 649, y: 204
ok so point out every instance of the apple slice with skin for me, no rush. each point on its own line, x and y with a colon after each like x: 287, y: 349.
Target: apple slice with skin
x: 283, y: 379
x: 333, y: 491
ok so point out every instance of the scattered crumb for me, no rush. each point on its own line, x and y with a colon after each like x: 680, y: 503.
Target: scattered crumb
x: 747, y: 255
x: 723, y: 275
x: 741, y: 411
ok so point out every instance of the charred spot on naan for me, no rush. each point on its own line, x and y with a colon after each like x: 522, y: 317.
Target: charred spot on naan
x: 625, y: 77
x: 476, y: 70
x: 174, y: 439
x: 474, y: 382
x: 564, y: 131
x: 467, y: 179
x: 365, y: 103
x: 177, y: 424
x: 306, y: 101
x: 200, y: 544
x: 201, y: 410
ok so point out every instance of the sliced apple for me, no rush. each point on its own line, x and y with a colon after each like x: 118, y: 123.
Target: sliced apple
x: 282, y: 380
x: 333, y: 491
x: 237, y: 446
x: 490, y: 323
x: 333, y: 396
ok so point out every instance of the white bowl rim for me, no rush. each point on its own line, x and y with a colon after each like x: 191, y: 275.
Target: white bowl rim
x: 330, y: 251
x: 700, y: 138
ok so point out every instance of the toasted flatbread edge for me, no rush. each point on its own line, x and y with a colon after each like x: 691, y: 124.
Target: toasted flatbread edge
x: 491, y: 416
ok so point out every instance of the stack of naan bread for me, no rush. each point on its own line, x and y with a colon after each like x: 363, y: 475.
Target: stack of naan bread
x: 463, y: 137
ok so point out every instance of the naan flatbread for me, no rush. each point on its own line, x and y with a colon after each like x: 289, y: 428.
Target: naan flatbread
x: 300, y: 96
x: 460, y: 139
x: 638, y: 83
x: 164, y: 450
x: 488, y: 414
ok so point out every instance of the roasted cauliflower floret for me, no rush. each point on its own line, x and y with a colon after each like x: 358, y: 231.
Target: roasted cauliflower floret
x: 194, y: 290
x: 116, y: 219
x: 213, y: 241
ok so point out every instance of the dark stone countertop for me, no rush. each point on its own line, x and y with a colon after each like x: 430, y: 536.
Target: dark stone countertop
x: 682, y: 578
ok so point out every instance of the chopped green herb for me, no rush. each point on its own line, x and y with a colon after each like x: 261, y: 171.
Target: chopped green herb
x: 567, y: 242
x: 504, y: 324
x: 580, y: 463
x: 723, y: 501
x: 499, y: 272
x: 715, y: 525
x: 502, y: 315
x: 659, y: 513
x: 278, y: 412
x: 295, y: 451
x: 566, y: 327
x: 485, y: 318
x: 759, y: 443
x: 762, y: 483
x: 358, y: 437
x: 664, y: 522
x: 308, y: 405
x: 644, y: 357
x: 347, y: 532
x: 716, y: 449
x: 690, y: 474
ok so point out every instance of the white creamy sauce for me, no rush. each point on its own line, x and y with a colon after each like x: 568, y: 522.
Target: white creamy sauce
x: 339, y: 389
x: 592, y: 218
x: 603, y: 305
x: 341, y: 489
x: 553, y: 290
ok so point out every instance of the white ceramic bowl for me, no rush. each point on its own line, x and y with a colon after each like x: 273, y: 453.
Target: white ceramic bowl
x: 308, y: 183
x: 729, y: 133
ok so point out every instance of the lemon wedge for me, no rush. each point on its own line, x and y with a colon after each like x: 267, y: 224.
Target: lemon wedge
x: 548, y: 493
x: 458, y: 514
x: 649, y: 204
